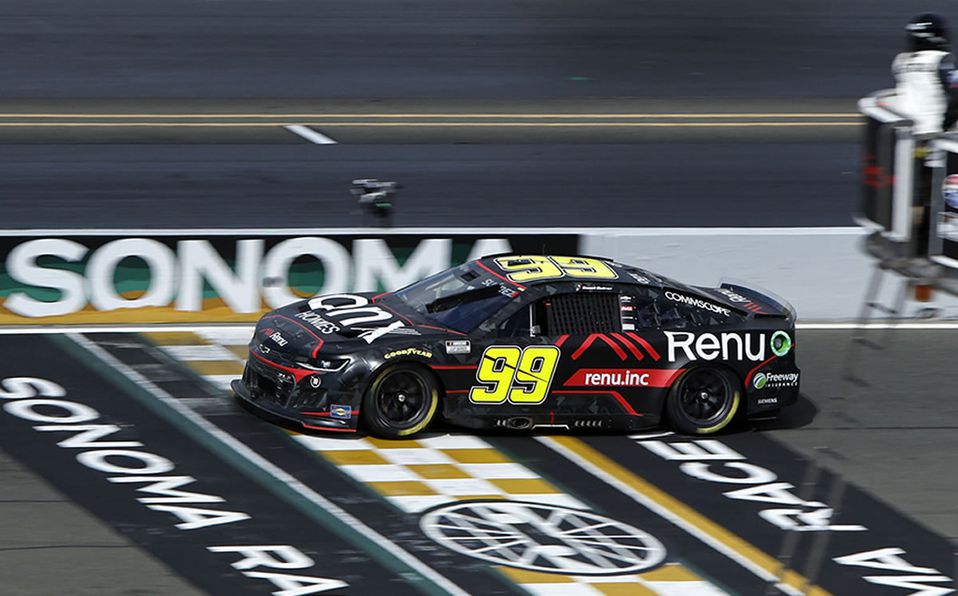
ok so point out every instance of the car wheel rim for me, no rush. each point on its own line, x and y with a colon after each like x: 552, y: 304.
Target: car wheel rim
x: 403, y: 399
x: 705, y: 397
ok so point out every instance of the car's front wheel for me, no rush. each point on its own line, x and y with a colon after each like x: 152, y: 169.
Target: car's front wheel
x: 704, y: 400
x: 401, y: 402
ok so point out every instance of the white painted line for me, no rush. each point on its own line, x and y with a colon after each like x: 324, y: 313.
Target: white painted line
x: 205, y: 352
x: 668, y: 514
x: 436, y: 231
x: 430, y: 124
x: 269, y: 468
x: 233, y: 330
x: 309, y: 134
x: 855, y: 326
x: 223, y: 382
x: 232, y: 336
x: 650, y: 435
x: 462, y: 115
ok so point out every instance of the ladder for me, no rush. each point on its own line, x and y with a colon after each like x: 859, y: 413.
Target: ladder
x: 912, y: 275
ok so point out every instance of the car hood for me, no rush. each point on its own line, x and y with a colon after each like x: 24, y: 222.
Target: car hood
x: 303, y: 330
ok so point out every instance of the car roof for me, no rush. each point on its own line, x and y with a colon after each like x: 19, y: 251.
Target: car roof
x: 501, y: 265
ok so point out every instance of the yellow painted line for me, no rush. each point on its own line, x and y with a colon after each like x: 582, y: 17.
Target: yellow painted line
x: 358, y: 457
x: 524, y: 576
x: 486, y: 455
x: 175, y: 338
x: 464, y: 115
x: 769, y: 564
x: 241, y: 352
x: 671, y: 573
x: 590, y: 124
x: 437, y: 471
x: 628, y: 584
x: 425, y: 124
x: 216, y: 367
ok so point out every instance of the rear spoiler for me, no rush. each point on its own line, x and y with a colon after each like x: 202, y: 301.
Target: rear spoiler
x: 778, y: 307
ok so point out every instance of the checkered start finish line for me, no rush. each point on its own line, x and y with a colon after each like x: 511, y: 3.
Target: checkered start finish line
x: 417, y: 475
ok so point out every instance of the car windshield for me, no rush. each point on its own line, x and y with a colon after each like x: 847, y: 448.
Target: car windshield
x: 458, y: 298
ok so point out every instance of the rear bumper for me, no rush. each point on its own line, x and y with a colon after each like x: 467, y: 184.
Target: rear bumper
x: 777, y: 392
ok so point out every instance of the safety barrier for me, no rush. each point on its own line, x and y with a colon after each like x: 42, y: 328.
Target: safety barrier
x: 184, y: 276
x: 202, y: 276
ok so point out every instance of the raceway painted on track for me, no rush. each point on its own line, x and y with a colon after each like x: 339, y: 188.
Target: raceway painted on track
x: 200, y: 535
x: 178, y: 410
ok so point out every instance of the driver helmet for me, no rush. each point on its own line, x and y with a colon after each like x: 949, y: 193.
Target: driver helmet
x: 927, y: 31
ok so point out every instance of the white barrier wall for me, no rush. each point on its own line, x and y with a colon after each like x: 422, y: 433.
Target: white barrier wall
x: 823, y: 272
x: 201, y: 276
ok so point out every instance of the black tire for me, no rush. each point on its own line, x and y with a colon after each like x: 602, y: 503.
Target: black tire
x: 704, y: 400
x: 401, y: 402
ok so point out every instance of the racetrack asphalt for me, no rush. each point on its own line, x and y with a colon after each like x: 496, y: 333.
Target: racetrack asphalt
x: 434, y: 48
x: 369, y: 56
x: 507, y: 163
x: 692, y: 56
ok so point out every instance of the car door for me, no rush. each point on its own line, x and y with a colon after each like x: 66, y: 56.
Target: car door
x: 565, y: 341
x: 515, y: 361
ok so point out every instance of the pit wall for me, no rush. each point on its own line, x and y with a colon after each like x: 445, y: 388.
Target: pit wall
x: 192, y: 276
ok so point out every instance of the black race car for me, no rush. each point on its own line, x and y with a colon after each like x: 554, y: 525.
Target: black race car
x: 526, y: 342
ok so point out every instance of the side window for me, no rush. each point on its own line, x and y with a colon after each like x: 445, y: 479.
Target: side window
x: 579, y: 313
x: 518, y: 325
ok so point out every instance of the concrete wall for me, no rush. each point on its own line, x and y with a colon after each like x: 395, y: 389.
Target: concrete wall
x: 823, y: 272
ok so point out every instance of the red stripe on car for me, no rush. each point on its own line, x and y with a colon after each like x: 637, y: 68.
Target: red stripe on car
x: 648, y: 347
x: 333, y: 429
x: 628, y: 344
x: 502, y: 277
x: 615, y: 347
x: 751, y: 373
x: 298, y: 373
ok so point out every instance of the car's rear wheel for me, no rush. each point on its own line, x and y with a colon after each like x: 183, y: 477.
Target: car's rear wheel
x: 401, y: 402
x: 704, y: 400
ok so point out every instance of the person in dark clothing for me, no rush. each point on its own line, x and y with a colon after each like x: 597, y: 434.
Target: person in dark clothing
x: 926, y: 76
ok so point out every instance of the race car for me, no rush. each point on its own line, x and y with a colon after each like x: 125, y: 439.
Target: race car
x: 518, y: 342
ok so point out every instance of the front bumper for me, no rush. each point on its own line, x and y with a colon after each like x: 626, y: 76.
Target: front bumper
x: 298, y: 396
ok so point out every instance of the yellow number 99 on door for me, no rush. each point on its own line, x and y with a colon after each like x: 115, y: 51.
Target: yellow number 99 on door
x: 521, y: 376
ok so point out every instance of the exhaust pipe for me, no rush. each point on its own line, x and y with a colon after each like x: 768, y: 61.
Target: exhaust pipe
x: 519, y: 423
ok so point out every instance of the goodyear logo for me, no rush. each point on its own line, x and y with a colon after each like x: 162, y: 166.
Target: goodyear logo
x: 408, y: 352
